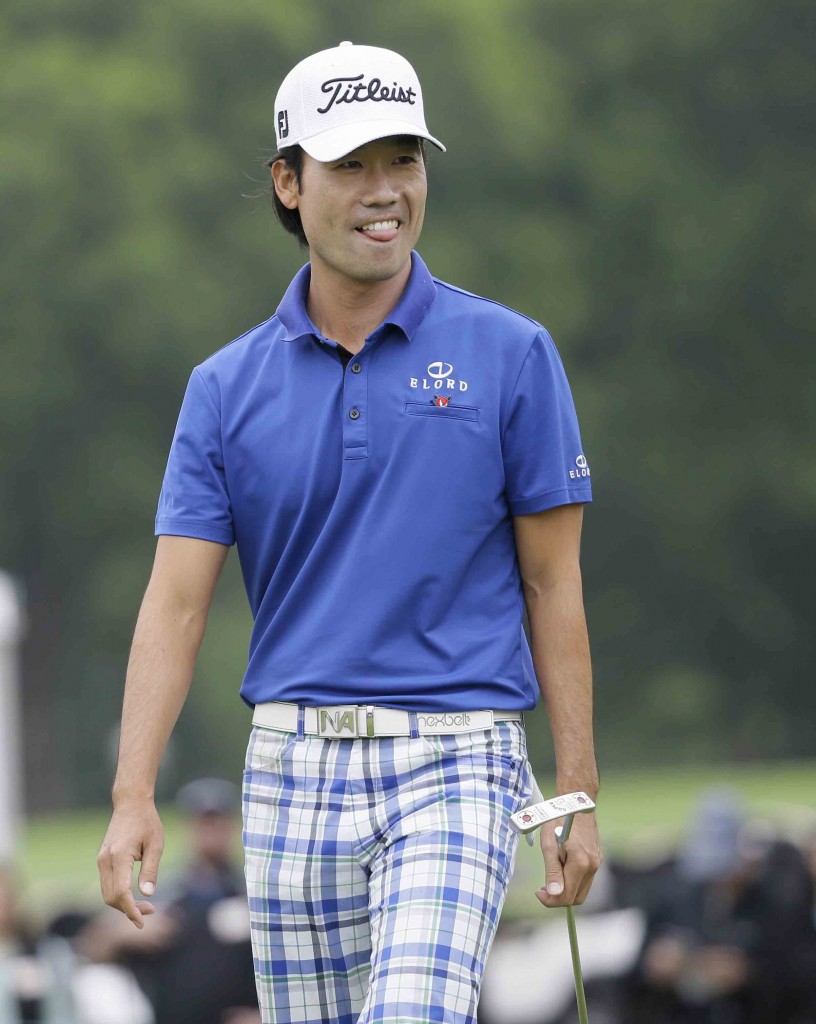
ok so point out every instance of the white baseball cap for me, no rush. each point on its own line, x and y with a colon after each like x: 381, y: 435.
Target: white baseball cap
x: 338, y: 99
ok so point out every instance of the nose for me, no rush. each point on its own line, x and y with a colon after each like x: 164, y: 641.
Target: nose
x: 380, y: 188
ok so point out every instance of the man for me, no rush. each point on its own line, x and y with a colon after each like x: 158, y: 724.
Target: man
x: 399, y: 465
x: 731, y: 937
x: 211, y: 809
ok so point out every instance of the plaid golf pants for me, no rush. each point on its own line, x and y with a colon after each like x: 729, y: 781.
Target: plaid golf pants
x: 377, y: 869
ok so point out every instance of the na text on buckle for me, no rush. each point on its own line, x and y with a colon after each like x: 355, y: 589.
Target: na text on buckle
x: 337, y: 722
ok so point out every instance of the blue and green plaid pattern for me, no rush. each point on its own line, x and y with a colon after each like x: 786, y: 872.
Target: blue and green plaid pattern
x: 377, y: 870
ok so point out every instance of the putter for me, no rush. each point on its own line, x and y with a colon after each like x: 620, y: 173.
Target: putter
x: 530, y: 818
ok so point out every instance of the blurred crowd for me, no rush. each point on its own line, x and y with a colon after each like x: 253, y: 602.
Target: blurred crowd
x: 723, y: 931
x: 190, y: 964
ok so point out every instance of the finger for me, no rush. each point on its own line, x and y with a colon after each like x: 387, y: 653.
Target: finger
x: 122, y: 894
x: 127, y: 904
x: 107, y: 862
x: 582, y: 890
x: 566, y: 897
x: 149, y: 873
x: 586, y: 883
x: 105, y: 867
x: 593, y: 863
x: 577, y: 871
x: 553, y: 868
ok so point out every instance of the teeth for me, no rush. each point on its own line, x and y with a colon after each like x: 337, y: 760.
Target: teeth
x: 380, y: 225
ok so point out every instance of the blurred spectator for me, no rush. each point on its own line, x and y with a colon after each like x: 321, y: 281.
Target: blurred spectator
x: 35, y: 970
x: 732, y: 941
x: 212, y: 808
x: 785, y: 957
x: 193, y: 958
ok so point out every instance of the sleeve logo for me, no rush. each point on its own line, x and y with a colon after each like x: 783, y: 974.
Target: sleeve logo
x: 582, y: 468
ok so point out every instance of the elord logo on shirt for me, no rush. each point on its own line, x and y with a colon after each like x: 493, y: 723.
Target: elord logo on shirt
x: 439, y: 378
x: 582, y: 470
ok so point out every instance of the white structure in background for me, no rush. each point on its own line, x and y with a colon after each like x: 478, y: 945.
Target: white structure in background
x: 12, y: 628
x: 529, y: 978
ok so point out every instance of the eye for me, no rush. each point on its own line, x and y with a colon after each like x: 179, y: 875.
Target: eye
x: 348, y: 164
x: 406, y: 159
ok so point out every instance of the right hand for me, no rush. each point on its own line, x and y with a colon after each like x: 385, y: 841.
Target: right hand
x: 135, y: 833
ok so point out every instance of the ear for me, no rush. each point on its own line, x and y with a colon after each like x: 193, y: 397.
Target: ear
x: 286, y: 187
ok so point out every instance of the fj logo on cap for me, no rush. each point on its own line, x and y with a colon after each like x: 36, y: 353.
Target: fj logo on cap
x: 355, y: 90
x: 283, y: 124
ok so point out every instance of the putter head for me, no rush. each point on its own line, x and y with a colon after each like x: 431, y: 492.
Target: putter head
x: 528, y: 819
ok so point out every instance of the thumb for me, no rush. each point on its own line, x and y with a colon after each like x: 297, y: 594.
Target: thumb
x: 149, y: 872
x: 553, y: 868
x: 555, y: 877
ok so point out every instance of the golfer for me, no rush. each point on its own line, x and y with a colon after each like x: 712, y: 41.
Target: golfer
x: 399, y: 465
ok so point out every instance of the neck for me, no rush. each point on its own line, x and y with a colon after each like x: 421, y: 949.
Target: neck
x: 347, y: 311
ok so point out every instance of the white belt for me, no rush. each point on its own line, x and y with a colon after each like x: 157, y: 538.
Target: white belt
x: 348, y: 721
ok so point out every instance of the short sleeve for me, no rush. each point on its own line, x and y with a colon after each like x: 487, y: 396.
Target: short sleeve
x: 544, y: 463
x: 194, y: 501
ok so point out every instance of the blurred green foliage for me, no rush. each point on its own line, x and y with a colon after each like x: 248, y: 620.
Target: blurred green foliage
x: 636, y: 176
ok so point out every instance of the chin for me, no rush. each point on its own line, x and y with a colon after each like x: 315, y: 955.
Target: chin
x: 383, y: 273
x: 367, y: 269
x: 386, y: 266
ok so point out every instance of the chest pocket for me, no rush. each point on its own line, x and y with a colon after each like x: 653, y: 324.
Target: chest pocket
x: 441, y: 412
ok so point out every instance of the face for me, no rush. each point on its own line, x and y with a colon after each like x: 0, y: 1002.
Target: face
x: 212, y: 837
x: 362, y: 214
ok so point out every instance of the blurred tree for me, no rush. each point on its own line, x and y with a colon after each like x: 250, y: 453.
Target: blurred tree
x: 636, y: 176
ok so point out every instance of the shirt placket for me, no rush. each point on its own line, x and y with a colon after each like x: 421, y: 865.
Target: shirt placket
x: 355, y: 408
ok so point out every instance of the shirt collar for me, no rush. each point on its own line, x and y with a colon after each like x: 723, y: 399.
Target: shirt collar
x: 409, y: 312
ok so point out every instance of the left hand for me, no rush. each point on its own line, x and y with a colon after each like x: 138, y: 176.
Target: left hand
x: 582, y: 858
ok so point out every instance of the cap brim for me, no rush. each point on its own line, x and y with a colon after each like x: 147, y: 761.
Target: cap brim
x: 336, y: 142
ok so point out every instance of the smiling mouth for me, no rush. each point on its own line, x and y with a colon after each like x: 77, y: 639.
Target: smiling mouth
x: 376, y: 226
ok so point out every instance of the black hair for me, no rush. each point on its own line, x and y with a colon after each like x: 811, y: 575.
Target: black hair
x: 292, y: 156
x: 290, y: 220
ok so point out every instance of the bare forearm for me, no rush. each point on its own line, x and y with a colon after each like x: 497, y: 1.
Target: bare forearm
x: 162, y: 658
x: 560, y: 649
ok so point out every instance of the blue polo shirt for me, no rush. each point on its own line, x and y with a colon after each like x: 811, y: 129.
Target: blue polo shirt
x: 371, y: 499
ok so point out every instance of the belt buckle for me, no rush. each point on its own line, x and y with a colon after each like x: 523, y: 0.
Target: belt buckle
x: 337, y: 721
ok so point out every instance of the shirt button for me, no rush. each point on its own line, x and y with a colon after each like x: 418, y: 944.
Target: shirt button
x: 355, y: 367
x: 354, y: 413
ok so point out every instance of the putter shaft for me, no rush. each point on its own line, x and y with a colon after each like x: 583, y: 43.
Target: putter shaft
x: 562, y: 832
